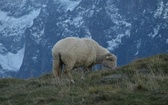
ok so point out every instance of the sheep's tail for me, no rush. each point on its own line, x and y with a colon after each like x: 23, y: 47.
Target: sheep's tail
x: 57, y: 66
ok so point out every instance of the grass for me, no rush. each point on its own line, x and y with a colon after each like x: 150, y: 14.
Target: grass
x: 142, y: 82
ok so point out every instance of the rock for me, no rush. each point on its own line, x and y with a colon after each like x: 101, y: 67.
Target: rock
x: 112, y: 78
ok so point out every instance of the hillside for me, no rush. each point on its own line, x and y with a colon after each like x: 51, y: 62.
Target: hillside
x: 142, y: 82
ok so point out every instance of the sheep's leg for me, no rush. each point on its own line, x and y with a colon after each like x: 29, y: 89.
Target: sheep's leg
x: 67, y: 70
x: 89, y: 68
x: 68, y: 74
x: 82, y: 76
x: 57, y: 68
x: 83, y: 72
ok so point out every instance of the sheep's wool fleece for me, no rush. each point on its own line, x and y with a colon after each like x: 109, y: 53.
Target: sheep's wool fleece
x: 81, y: 51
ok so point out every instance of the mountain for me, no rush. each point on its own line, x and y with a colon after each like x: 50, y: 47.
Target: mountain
x: 130, y: 29
x: 15, y: 17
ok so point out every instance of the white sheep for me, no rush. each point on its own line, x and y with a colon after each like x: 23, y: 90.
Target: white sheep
x: 71, y: 52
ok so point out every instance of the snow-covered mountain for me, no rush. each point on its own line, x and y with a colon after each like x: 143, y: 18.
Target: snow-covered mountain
x: 29, y: 28
x: 15, y: 17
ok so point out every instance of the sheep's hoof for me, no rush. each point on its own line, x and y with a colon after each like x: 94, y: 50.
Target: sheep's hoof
x: 114, y: 68
x: 72, y: 81
x: 82, y: 78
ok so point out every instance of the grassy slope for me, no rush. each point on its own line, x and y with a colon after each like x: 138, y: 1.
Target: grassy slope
x: 142, y: 82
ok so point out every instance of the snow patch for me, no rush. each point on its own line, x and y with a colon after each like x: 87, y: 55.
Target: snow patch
x: 136, y: 53
x: 155, y: 32
x: 121, y: 28
x: 70, y: 4
x: 160, y: 9
x: 32, y: 16
x: 2, y: 49
x: 166, y: 41
x: 44, y: 5
x: 88, y: 34
x: 114, y: 43
x: 165, y: 16
x: 38, y: 35
x: 138, y: 44
x: 138, y: 47
x: 12, y: 26
x: 124, y: 32
x: 77, y: 21
x: 11, y: 61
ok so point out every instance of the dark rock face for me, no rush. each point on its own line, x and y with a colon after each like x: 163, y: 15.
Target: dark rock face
x: 128, y: 28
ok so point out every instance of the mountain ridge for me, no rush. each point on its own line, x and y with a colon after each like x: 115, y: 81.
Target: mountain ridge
x: 129, y: 29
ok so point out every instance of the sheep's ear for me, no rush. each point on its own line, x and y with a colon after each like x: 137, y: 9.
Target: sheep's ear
x: 109, y: 58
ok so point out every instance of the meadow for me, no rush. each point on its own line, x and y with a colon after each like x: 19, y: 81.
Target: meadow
x: 142, y: 82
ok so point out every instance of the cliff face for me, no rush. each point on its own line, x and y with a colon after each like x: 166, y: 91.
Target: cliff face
x: 130, y: 29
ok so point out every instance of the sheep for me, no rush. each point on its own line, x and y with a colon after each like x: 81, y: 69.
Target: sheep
x: 70, y: 53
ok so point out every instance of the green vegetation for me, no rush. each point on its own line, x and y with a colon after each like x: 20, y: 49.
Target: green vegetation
x: 142, y: 82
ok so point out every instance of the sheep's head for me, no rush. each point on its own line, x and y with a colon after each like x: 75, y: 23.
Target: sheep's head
x: 110, y: 61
